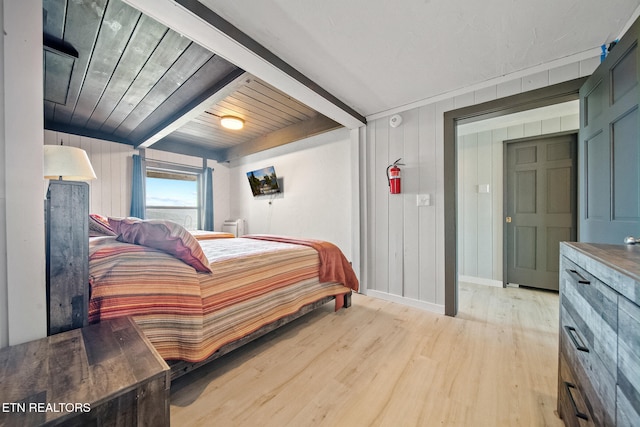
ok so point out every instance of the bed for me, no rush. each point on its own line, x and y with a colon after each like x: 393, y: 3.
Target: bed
x: 198, y: 298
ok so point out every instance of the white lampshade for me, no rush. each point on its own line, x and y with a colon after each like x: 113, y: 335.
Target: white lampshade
x: 67, y: 163
x: 231, y: 122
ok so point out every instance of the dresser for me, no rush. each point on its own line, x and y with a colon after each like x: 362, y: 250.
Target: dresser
x: 599, y: 348
x: 102, y: 374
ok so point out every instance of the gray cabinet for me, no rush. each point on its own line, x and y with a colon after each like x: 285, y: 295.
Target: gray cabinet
x: 599, y: 360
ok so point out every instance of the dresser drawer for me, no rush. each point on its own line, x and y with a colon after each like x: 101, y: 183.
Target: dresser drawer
x: 593, y: 307
x: 628, y: 390
x: 572, y: 406
x: 596, y: 383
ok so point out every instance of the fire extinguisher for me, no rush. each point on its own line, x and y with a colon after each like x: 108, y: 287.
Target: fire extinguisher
x: 393, y: 177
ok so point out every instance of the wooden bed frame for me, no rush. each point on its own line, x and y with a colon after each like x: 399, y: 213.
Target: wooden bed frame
x: 180, y: 367
x: 69, y: 305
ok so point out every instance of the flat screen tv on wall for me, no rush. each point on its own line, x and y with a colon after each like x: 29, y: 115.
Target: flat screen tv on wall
x: 263, y: 181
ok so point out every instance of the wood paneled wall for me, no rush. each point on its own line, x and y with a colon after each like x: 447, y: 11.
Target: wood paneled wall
x: 402, y: 237
x: 405, y: 242
x: 110, y: 194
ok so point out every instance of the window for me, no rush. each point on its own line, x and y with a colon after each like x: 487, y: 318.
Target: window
x: 173, y: 195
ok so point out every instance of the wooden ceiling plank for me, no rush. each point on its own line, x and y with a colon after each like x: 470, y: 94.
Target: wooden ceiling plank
x: 171, y: 48
x: 189, y: 63
x: 214, y: 143
x: 253, y: 122
x: 271, y: 92
x: 279, y: 104
x: 296, y: 132
x: 251, y: 110
x: 53, y: 16
x: 269, y: 112
x: 213, y: 123
x: 48, y: 110
x: 58, y: 76
x: 117, y: 27
x: 216, y: 93
x: 196, y: 128
x: 210, y: 78
x: 82, y: 25
x: 146, y: 37
x: 208, y: 143
x: 207, y: 131
x: 274, y: 110
x: 252, y: 117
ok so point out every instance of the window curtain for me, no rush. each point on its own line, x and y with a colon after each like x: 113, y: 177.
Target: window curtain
x: 137, y: 189
x: 207, y: 224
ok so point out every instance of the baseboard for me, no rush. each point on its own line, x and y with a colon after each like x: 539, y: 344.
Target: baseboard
x: 423, y: 305
x: 481, y: 281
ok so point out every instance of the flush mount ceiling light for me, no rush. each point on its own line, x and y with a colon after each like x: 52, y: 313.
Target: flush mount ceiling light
x: 231, y: 122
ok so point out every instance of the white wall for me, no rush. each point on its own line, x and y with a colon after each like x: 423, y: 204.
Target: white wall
x: 4, y: 302
x: 22, y: 257
x: 405, y: 261
x: 480, y: 221
x: 316, y: 201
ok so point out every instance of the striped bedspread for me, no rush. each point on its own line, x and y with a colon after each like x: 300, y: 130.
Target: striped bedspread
x: 189, y: 315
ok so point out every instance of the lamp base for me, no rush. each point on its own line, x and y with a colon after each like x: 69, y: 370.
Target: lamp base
x: 67, y: 255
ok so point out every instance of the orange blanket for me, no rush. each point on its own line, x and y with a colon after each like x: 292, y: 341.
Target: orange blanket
x: 334, y: 266
x: 207, y: 235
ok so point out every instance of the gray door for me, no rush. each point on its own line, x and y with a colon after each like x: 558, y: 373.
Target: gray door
x: 540, y: 206
x: 609, y: 154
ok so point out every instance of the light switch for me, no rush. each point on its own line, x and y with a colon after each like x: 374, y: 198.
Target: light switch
x: 483, y: 188
x: 423, y: 200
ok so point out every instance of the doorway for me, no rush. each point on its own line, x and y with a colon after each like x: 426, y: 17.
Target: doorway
x: 540, y: 205
x: 550, y: 95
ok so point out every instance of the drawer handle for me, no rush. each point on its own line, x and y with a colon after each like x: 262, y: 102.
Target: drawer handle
x: 568, y: 387
x: 575, y: 338
x: 578, y: 277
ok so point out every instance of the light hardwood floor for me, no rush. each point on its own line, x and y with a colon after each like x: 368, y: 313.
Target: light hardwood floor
x: 383, y: 364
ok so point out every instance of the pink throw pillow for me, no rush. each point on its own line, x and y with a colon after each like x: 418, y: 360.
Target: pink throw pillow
x: 163, y: 235
x: 99, y: 226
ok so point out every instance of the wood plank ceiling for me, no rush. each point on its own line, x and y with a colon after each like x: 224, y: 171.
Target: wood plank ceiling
x: 113, y: 73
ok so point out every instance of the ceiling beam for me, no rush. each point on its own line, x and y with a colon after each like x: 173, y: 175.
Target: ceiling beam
x: 167, y: 144
x: 313, y: 126
x: 198, y: 23
x: 214, y: 95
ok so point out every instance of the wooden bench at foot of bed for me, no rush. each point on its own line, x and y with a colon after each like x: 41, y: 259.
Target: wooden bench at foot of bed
x: 180, y: 367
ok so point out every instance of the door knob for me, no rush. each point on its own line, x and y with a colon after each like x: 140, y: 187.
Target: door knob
x: 508, y: 219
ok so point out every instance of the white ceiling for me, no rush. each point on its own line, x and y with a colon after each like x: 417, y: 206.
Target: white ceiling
x: 378, y: 55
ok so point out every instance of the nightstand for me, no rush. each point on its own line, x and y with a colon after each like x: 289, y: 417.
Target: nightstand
x: 103, y: 374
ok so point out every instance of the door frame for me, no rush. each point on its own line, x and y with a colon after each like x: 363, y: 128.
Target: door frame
x: 549, y: 95
x: 505, y: 193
